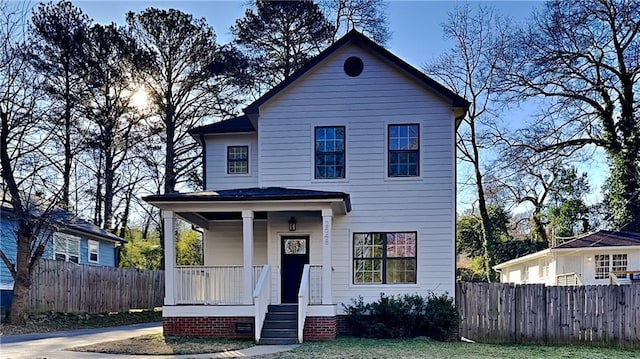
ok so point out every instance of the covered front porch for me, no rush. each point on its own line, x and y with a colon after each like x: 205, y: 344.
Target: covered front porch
x: 262, y: 247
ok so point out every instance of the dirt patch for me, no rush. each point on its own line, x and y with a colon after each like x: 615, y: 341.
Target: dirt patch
x: 156, y: 344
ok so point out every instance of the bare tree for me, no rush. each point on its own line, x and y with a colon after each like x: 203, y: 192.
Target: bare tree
x: 366, y: 16
x: 582, y: 57
x: 469, y: 68
x: 23, y: 155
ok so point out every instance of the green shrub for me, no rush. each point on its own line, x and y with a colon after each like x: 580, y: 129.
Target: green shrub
x: 404, y: 316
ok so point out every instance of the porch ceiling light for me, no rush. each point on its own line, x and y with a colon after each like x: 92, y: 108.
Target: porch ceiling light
x: 292, y: 224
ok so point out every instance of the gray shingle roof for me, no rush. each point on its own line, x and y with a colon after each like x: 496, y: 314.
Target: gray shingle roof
x: 251, y: 194
x: 603, y: 239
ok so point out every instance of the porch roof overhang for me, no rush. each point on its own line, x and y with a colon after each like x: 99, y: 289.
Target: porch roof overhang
x: 197, y: 207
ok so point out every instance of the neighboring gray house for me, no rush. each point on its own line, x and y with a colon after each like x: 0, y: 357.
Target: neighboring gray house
x: 72, y: 239
x: 339, y: 182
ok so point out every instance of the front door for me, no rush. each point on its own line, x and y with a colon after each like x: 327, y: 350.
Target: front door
x: 295, y: 254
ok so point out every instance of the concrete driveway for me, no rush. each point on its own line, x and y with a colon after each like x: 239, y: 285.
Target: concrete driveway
x: 53, y: 345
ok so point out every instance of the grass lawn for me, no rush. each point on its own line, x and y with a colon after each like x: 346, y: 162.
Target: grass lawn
x: 51, y: 322
x: 353, y: 348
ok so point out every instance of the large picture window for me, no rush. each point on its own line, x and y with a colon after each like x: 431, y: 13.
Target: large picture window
x: 329, y: 152
x: 404, y: 150
x: 384, y: 258
x: 67, y: 248
x: 238, y: 159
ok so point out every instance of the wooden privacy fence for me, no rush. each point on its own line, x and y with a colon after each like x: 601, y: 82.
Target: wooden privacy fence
x: 72, y: 288
x: 534, y: 313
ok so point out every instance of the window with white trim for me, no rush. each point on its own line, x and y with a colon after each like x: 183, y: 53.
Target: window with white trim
x: 329, y: 152
x: 404, y: 150
x: 605, y: 264
x: 544, y: 268
x: 384, y: 258
x: 238, y: 159
x: 66, y: 248
x: 94, y: 251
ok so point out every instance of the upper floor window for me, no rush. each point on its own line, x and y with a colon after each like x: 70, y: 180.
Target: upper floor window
x: 94, y: 251
x: 238, y: 159
x: 67, y: 248
x: 329, y: 152
x: 404, y: 150
x: 384, y: 258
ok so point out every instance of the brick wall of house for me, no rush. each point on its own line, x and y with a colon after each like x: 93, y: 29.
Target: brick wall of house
x: 320, y: 328
x: 343, y: 326
x: 206, y: 327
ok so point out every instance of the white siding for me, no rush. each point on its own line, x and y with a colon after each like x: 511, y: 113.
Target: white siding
x: 216, y: 166
x: 223, y: 243
x: 366, y: 105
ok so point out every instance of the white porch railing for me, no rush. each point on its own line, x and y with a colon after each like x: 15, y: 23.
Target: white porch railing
x: 211, y: 285
x: 262, y: 299
x: 568, y: 279
x: 303, y: 301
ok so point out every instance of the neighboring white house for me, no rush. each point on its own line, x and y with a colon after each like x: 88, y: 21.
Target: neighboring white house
x: 339, y: 182
x: 587, y: 260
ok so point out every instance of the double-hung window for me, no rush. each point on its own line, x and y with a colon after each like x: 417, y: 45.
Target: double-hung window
x: 384, y: 258
x: 238, y: 159
x: 329, y: 152
x: 94, y: 251
x: 404, y: 150
x: 67, y: 248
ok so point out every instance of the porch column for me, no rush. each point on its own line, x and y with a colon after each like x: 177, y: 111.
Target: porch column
x: 247, y: 256
x: 327, y: 219
x: 169, y: 258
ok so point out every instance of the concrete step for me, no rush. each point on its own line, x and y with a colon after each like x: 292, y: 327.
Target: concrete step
x: 281, y: 316
x: 278, y: 341
x: 280, y: 324
x: 280, y: 333
x: 283, y: 308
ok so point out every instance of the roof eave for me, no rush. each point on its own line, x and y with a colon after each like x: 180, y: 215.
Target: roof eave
x: 519, y: 260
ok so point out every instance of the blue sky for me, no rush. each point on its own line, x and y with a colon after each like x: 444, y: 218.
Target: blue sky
x: 415, y: 25
x: 416, y: 37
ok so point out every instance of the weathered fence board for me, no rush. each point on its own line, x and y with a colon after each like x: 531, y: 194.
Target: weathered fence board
x: 72, y: 288
x: 534, y: 313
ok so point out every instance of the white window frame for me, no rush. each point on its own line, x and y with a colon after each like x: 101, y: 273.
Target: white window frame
x: 315, y: 154
x: 62, y: 244
x: 91, y: 244
x: 608, y: 266
x: 544, y: 267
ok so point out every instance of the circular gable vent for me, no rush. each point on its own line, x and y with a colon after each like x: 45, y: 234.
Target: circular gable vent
x: 353, y: 66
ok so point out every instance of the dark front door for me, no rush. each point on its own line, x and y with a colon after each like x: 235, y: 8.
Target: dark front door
x: 295, y: 254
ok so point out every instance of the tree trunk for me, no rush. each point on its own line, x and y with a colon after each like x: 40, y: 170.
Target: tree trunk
x: 68, y: 156
x: 624, y: 199
x: 108, y: 189
x: 22, y: 281
x: 538, y: 231
x: 125, y: 215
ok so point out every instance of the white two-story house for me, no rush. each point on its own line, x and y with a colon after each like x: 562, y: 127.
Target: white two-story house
x: 339, y: 182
